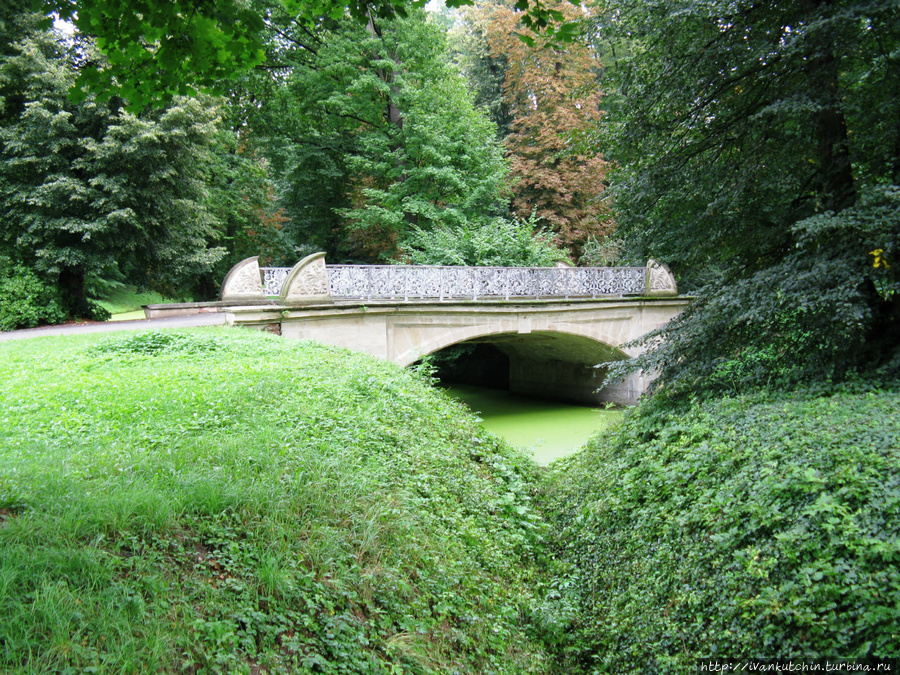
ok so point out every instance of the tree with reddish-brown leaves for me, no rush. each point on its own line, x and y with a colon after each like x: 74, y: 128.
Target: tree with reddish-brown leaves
x: 553, y: 96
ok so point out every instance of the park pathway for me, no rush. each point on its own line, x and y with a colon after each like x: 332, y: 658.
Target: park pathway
x: 113, y: 326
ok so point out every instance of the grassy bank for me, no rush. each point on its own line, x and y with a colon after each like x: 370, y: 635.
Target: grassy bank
x: 755, y: 527
x: 227, y: 501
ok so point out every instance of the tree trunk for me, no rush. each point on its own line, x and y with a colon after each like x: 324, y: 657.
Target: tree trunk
x: 71, y: 286
x: 835, y: 173
x: 392, y: 113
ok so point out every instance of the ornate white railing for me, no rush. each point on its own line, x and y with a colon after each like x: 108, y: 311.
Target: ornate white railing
x: 425, y: 281
x: 273, y: 278
x: 312, y: 281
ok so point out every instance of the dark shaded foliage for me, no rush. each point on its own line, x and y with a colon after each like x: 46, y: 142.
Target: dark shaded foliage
x: 760, y: 146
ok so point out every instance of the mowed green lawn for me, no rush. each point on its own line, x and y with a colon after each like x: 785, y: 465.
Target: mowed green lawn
x: 125, y: 303
x: 221, y: 500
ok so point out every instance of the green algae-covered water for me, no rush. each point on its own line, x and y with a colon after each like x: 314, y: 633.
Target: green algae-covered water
x: 547, y: 429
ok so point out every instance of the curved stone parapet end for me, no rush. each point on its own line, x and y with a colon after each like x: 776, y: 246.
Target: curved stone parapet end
x: 306, y: 282
x: 243, y: 282
x: 659, y: 281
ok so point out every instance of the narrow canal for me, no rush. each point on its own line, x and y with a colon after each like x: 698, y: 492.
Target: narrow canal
x: 547, y: 429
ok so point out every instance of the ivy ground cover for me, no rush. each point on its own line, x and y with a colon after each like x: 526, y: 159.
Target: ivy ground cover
x: 764, y: 526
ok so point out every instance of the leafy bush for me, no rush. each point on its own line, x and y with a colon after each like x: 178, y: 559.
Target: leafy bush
x: 500, y: 243
x: 606, y: 252
x: 827, y: 311
x: 160, y: 342
x: 224, y: 501
x: 740, y: 528
x: 25, y: 300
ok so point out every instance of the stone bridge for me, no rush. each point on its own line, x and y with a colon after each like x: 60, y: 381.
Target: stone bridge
x: 560, y: 327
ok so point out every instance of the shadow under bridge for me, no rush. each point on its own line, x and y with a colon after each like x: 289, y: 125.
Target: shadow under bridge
x: 545, y: 364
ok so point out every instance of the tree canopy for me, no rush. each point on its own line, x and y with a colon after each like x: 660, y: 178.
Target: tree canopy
x: 91, y: 195
x: 553, y: 98
x: 367, y: 131
x: 374, y: 135
x: 157, y: 49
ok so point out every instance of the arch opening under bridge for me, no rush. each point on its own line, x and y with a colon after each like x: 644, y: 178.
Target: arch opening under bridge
x: 548, y: 365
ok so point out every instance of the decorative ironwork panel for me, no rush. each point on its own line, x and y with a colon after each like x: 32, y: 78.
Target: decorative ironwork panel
x: 458, y: 282
x: 426, y: 281
x: 273, y: 279
x: 614, y: 281
x: 383, y: 282
x: 543, y: 280
x: 348, y: 280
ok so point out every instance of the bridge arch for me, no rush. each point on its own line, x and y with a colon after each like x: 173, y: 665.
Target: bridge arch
x: 562, y: 362
x: 574, y: 346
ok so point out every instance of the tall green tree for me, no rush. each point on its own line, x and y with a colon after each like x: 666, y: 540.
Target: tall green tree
x: 436, y: 162
x: 760, y: 146
x: 375, y: 135
x: 91, y: 193
x: 241, y: 199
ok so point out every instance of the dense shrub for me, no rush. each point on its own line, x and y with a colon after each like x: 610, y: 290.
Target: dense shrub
x: 498, y: 243
x: 25, y: 300
x: 739, y: 528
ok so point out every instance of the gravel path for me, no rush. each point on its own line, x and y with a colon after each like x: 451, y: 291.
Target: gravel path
x: 111, y: 326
